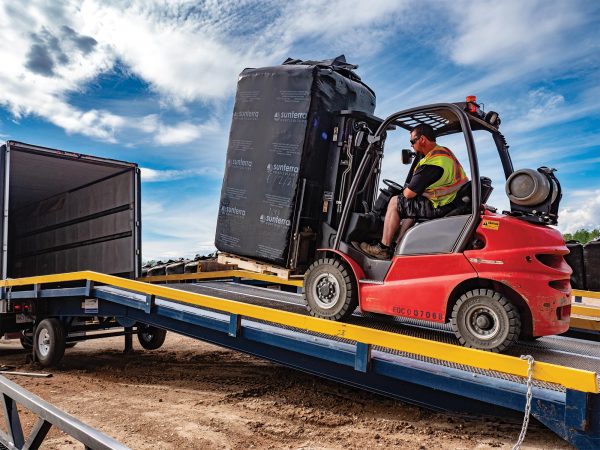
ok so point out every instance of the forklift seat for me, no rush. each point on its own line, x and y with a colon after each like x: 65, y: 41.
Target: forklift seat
x: 462, y: 205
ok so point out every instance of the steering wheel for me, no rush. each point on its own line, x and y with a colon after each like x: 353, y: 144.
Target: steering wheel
x: 393, y: 186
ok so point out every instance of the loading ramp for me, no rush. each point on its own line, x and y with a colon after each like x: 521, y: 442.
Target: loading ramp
x: 414, y: 364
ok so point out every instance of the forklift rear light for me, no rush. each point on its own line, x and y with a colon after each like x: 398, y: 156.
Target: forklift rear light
x: 472, y: 105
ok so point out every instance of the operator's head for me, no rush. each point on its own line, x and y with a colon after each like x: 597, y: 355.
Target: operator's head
x: 422, y: 138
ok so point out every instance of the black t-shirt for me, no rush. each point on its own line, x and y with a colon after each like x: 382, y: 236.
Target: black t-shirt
x: 423, y: 177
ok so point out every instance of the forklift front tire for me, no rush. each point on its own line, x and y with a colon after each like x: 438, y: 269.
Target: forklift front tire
x: 49, y: 342
x: 330, y: 290
x: 485, y: 319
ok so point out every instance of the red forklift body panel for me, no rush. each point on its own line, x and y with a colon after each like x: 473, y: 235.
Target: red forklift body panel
x: 417, y: 286
x: 529, y: 259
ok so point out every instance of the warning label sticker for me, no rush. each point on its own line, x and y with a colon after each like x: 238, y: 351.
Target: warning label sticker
x: 90, y: 305
x: 491, y: 224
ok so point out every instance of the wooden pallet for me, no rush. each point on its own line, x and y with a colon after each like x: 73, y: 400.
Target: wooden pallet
x: 251, y: 265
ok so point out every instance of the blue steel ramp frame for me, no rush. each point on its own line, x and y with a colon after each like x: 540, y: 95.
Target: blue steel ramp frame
x: 351, y: 355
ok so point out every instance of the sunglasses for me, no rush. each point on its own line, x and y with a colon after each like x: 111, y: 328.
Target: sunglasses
x: 413, y: 141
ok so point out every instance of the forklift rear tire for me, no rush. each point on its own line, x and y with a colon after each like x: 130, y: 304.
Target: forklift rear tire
x: 49, y: 342
x: 485, y: 319
x: 330, y: 289
x: 151, y: 338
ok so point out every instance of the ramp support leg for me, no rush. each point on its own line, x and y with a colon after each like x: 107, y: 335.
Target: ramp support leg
x: 128, y: 340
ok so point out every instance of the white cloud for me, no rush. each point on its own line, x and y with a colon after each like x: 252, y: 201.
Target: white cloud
x: 179, y: 134
x: 181, y: 229
x: 526, y: 35
x: 152, y: 175
x: 185, y: 51
x: 583, y: 211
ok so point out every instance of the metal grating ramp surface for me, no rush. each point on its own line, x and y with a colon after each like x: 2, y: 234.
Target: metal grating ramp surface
x: 558, y: 350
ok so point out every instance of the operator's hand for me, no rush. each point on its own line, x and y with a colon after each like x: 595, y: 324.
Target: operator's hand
x: 408, y: 193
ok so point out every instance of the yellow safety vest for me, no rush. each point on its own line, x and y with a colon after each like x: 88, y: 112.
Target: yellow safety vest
x: 443, y: 191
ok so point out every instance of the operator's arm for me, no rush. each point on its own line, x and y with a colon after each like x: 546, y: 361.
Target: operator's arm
x: 424, y: 176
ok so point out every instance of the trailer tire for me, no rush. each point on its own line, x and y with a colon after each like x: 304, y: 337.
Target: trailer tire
x: 151, y: 338
x: 49, y: 342
x: 330, y: 290
x: 486, y: 320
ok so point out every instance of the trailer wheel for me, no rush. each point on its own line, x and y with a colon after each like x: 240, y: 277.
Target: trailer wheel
x: 485, y: 319
x: 330, y: 290
x: 49, y: 342
x: 151, y: 338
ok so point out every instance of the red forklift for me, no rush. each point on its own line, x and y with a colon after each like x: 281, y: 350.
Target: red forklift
x: 495, y: 277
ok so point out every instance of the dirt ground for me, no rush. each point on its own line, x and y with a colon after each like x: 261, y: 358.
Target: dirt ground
x: 192, y: 395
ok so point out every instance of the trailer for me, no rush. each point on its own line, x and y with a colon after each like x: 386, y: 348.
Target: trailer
x: 393, y: 357
x: 62, y: 212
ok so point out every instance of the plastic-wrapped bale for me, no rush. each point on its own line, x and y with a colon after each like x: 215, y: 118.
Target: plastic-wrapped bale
x: 284, y: 124
x: 159, y: 269
x: 575, y: 260
x: 591, y: 260
x: 175, y: 268
x: 191, y: 267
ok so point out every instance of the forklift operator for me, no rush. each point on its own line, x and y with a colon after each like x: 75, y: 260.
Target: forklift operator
x: 429, y: 194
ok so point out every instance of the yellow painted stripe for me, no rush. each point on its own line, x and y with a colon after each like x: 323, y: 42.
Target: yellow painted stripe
x: 589, y: 311
x: 585, y: 323
x: 581, y: 380
x: 589, y: 294
x: 221, y: 274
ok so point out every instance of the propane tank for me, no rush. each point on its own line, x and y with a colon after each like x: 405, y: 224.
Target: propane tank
x: 528, y: 187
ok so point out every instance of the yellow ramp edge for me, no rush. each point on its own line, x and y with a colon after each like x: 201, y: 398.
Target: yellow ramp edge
x: 580, y: 380
x: 588, y: 311
x: 585, y: 323
x: 589, y: 294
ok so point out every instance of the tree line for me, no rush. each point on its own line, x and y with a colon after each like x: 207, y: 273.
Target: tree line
x: 582, y: 235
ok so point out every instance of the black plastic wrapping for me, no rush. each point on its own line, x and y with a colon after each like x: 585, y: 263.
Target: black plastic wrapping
x: 591, y: 259
x: 575, y: 260
x: 282, y: 129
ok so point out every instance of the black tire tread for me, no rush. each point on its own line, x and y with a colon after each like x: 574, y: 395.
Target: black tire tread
x: 514, y: 319
x: 158, y: 338
x: 58, y: 336
x: 351, y: 301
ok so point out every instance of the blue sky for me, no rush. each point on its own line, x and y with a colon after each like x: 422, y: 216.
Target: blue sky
x: 153, y: 82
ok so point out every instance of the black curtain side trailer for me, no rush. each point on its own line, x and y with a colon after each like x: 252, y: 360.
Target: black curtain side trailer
x: 66, y: 212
